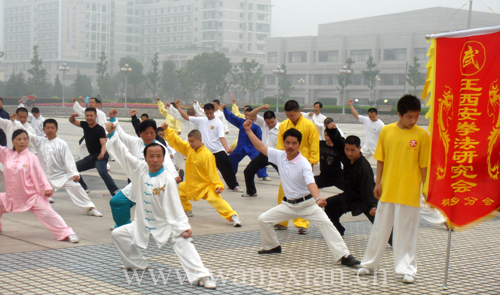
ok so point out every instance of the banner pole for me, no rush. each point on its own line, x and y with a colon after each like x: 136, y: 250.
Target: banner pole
x: 445, y: 287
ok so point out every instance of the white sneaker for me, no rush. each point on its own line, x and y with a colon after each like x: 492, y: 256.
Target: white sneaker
x: 363, y: 271
x: 95, y: 212
x: 267, y: 178
x: 236, y: 221
x: 51, y: 200
x: 247, y: 195
x: 207, y: 283
x: 189, y: 213
x: 108, y: 167
x: 87, y: 190
x: 73, y: 239
x: 408, y: 279
x: 237, y: 189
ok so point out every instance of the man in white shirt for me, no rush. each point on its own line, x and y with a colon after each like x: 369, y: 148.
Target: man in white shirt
x: 158, y: 213
x: 35, y: 118
x: 270, y: 129
x: 302, y: 198
x: 218, y: 113
x: 317, y: 118
x: 212, y: 133
x: 175, y: 113
x: 373, y: 125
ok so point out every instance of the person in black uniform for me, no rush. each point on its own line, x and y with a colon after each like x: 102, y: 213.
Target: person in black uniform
x: 330, y: 167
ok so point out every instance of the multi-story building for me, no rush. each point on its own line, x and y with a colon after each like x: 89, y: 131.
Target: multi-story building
x: 313, y: 63
x: 75, y: 32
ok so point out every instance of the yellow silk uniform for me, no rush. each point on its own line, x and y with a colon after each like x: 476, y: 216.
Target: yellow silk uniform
x: 171, y: 121
x: 201, y: 176
x: 236, y: 112
x: 309, y: 148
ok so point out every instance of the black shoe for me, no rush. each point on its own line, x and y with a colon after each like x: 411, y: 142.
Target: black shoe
x: 350, y: 261
x: 181, y: 174
x: 270, y: 251
x: 302, y: 231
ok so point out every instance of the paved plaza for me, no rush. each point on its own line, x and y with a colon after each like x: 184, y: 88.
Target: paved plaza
x: 32, y: 261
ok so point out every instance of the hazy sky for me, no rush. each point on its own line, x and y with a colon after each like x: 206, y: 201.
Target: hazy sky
x: 301, y: 17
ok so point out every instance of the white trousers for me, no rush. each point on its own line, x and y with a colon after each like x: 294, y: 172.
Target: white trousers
x: 405, y: 220
x: 432, y: 215
x: 367, y: 153
x: 78, y: 195
x: 179, y: 161
x: 309, y: 211
x: 185, y: 250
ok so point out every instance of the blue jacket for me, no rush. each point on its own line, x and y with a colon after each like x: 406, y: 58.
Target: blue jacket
x: 3, y: 139
x: 244, y: 143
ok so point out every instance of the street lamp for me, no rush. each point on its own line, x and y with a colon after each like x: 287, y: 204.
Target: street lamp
x: 126, y: 69
x: 63, y: 69
x: 377, y: 79
x: 278, y: 71
x: 344, y: 71
x: 301, y: 82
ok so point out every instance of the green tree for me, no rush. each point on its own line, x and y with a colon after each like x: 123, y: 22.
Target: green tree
x: 82, y: 85
x: 135, y: 77
x: 154, y: 76
x: 186, y: 85
x: 370, y: 75
x: 284, y: 84
x: 102, y: 73
x: 414, y: 78
x: 38, y: 80
x: 348, y: 77
x: 236, y: 77
x: 252, y: 77
x: 16, y: 85
x: 169, y: 81
x: 57, y: 90
x: 210, y: 70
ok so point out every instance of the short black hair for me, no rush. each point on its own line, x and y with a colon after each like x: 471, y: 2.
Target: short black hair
x: 16, y: 133
x: 159, y: 129
x: 208, y: 107
x: 91, y: 110
x: 151, y: 145
x: 327, y: 121
x: 145, y: 115
x: 247, y: 106
x: 50, y: 121
x: 35, y: 110
x: 372, y: 110
x: 353, y: 139
x: 293, y: 133
x: 320, y: 104
x: 1, y: 99
x: 291, y: 105
x: 216, y: 101
x: 408, y: 103
x: 96, y: 100
x: 247, y: 110
x: 269, y: 115
x: 21, y: 110
x: 146, y: 124
x: 194, y: 133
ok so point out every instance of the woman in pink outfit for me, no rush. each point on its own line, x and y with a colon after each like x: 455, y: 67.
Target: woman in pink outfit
x: 27, y: 187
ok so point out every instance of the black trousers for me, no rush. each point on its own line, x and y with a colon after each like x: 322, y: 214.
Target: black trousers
x: 338, y: 206
x: 226, y: 169
x: 90, y: 162
x: 259, y: 162
x: 322, y: 182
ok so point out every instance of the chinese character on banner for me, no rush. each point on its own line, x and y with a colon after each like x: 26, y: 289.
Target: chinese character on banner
x: 463, y: 92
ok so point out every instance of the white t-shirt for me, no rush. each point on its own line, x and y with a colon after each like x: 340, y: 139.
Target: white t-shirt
x: 372, y: 131
x: 295, y: 175
x: 269, y: 137
x: 211, y: 132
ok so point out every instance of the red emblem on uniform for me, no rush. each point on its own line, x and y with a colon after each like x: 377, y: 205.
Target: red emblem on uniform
x: 212, y: 127
x: 413, y: 143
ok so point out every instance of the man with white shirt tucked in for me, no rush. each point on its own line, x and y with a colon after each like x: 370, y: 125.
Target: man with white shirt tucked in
x: 301, y: 199
x: 317, y: 118
x: 218, y: 113
x: 373, y: 126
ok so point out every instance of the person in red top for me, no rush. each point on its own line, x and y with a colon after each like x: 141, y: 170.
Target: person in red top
x: 31, y: 100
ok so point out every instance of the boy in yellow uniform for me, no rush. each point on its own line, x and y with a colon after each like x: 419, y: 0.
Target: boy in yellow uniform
x: 401, y: 153
x: 202, y: 179
x: 171, y: 121
x: 309, y: 148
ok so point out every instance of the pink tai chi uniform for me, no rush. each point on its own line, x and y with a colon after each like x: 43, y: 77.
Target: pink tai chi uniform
x: 25, y: 185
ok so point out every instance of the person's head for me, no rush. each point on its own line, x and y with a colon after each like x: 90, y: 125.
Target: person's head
x: 98, y: 103
x: 328, y: 140
x: 209, y: 110
x: 36, y: 112
x: 292, y: 111
x: 191, y: 112
x: 408, y: 110
x: 317, y: 107
x: 90, y: 115
x: 327, y: 121
x: 92, y: 103
x: 20, y: 140
x: 22, y: 115
x: 246, y: 107
x: 270, y: 119
x: 352, y: 148
x: 50, y: 128
x: 144, y: 117
x: 1, y: 103
x: 194, y: 139
x: 160, y: 132
x: 154, y: 154
x: 216, y: 104
x: 247, y: 112
x: 373, y: 114
x: 291, y: 141
x: 147, y: 131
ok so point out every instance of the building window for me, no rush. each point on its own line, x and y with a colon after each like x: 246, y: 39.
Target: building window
x: 395, y: 54
x: 325, y: 79
x: 271, y: 79
x: 297, y: 56
x: 360, y: 55
x: 421, y: 53
x: 328, y: 56
x: 272, y: 57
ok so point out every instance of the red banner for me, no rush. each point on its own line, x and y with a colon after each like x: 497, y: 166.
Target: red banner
x: 464, y: 174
